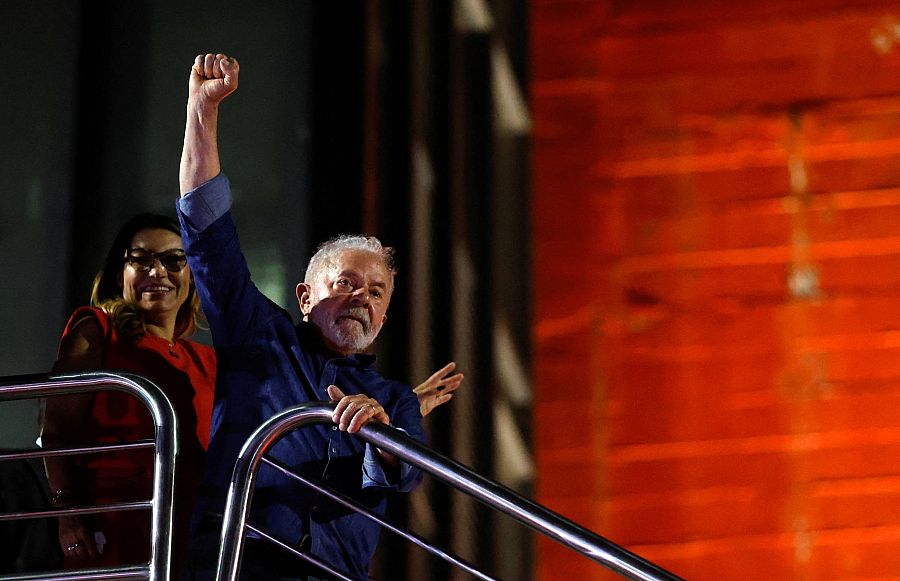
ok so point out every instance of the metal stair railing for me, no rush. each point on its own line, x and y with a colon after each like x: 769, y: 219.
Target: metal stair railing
x: 394, y: 441
x: 164, y: 444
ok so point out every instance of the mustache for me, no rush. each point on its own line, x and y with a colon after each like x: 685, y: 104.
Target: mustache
x: 360, y: 314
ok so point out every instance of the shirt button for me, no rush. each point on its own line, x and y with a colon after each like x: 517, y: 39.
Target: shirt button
x: 333, y: 450
x: 328, y: 477
x: 334, y: 428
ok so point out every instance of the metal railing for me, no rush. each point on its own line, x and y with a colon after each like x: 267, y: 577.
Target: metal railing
x: 396, y: 442
x: 164, y: 444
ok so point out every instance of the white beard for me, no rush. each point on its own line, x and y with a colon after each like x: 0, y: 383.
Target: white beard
x: 353, y: 335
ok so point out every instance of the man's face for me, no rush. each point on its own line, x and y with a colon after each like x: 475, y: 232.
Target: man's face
x: 348, y: 300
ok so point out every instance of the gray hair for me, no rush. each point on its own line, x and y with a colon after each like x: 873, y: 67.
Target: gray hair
x: 329, y: 251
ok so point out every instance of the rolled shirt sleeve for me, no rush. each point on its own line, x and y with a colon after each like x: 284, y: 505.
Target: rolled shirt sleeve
x: 206, y: 203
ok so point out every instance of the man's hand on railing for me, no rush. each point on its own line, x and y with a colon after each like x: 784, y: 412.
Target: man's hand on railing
x: 353, y: 411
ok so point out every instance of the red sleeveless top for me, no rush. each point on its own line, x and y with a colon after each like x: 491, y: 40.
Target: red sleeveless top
x: 185, y: 371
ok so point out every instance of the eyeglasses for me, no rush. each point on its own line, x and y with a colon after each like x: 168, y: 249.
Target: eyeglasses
x: 171, y: 260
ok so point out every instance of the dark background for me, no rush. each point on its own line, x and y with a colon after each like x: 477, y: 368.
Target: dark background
x: 382, y: 117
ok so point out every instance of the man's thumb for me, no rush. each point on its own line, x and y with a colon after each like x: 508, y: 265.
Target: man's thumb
x: 334, y: 392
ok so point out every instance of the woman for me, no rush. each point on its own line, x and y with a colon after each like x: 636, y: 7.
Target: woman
x: 143, y: 308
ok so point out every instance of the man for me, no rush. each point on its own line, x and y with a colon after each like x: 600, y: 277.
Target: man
x: 267, y: 364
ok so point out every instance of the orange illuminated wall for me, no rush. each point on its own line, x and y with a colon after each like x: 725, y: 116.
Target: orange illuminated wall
x: 717, y: 280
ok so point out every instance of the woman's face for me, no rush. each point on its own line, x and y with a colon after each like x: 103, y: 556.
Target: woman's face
x: 146, y: 281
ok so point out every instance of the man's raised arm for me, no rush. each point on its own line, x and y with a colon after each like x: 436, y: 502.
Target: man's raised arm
x: 213, y: 77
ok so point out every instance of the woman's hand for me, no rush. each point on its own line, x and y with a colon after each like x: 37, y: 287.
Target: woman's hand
x: 74, y: 538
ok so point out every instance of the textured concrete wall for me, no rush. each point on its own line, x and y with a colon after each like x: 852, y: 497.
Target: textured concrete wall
x: 717, y: 258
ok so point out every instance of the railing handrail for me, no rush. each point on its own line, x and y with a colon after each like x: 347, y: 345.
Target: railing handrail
x: 392, y: 440
x: 166, y: 448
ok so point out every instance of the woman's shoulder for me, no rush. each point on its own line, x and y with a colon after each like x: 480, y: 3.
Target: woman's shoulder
x: 85, y: 317
x: 81, y: 346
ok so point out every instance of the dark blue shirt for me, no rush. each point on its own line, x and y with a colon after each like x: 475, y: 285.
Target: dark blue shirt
x: 267, y: 363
